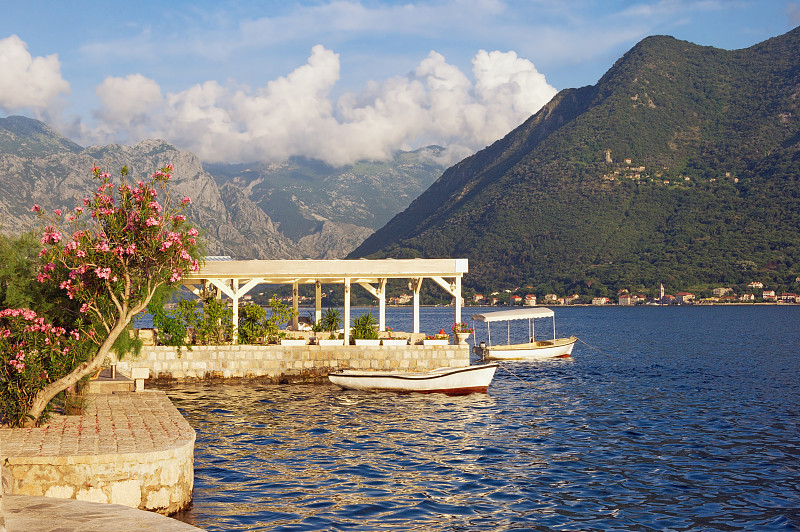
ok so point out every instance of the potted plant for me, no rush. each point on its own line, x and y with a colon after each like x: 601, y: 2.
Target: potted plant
x: 330, y: 323
x: 293, y: 339
x: 440, y: 338
x: 365, y: 330
x: 393, y: 339
x: 462, y: 332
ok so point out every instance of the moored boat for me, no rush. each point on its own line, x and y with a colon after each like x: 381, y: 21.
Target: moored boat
x: 533, y: 349
x: 451, y: 381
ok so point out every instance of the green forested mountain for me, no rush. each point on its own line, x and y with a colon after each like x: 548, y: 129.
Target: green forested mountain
x: 680, y: 166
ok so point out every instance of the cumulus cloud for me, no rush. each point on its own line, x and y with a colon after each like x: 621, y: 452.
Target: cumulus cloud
x: 436, y: 103
x: 27, y: 82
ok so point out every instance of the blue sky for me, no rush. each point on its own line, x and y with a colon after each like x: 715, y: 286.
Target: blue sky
x: 341, y: 80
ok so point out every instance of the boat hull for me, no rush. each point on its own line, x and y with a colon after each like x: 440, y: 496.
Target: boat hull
x: 451, y: 381
x: 559, y: 348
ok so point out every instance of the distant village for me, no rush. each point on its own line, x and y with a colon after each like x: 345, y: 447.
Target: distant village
x: 756, y: 294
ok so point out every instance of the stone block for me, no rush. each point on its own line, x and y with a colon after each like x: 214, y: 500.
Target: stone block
x: 126, y: 493
x: 91, y: 495
x: 157, y: 499
x: 60, y: 492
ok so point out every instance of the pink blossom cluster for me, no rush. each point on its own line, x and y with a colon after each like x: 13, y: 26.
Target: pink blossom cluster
x: 18, y: 362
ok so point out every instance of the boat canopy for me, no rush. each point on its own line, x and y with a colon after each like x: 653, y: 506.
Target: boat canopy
x: 515, y: 314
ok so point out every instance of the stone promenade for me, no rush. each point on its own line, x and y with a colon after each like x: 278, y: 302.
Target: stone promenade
x: 24, y: 513
x: 130, y: 449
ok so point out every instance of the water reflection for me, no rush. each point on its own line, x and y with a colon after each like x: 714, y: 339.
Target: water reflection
x: 681, y: 433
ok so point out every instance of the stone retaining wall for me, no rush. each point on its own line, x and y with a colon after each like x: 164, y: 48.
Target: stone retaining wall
x: 133, y: 449
x: 284, y: 364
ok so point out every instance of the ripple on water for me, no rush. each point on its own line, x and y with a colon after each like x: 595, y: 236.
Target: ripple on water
x: 663, y: 430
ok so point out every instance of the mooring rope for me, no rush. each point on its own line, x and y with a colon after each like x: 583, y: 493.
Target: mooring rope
x: 592, y: 347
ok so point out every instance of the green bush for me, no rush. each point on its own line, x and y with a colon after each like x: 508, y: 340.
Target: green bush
x: 365, y: 327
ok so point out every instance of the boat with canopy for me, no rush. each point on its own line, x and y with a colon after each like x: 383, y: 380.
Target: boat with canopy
x: 533, y: 348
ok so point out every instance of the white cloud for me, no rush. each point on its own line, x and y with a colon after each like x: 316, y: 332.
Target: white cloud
x: 28, y: 82
x: 127, y: 101
x: 295, y: 114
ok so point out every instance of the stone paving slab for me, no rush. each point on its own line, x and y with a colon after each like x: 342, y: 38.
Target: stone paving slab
x: 24, y: 513
x: 122, y: 422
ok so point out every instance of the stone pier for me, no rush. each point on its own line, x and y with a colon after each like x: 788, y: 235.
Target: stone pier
x: 285, y: 364
x: 133, y: 449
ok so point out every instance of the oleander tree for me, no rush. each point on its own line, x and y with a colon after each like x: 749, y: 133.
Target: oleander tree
x: 109, y: 255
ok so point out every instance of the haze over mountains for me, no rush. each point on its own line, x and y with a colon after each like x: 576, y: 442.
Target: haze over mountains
x: 681, y: 165
x: 299, y: 209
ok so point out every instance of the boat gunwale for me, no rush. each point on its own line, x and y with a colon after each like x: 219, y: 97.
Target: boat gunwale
x: 415, y: 376
x: 558, y: 342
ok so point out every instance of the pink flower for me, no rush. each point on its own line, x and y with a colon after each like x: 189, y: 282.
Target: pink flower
x: 103, y: 273
x: 57, y: 212
x: 186, y: 201
x: 102, y: 246
x: 152, y: 221
x: 84, y: 308
x: 36, y: 208
x: 42, y: 277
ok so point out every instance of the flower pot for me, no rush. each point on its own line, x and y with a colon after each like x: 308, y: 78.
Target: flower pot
x: 293, y: 341
x: 394, y: 341
x: 462, y: 337
x: 435, y: 342
x: 330, y: 341
x: 364, y: 341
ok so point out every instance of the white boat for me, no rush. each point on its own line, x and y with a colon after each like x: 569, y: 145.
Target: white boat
x: 451, y: 381
x: 533, y: 349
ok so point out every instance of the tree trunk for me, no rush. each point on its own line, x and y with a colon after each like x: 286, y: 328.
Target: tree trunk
x: 46, y: 394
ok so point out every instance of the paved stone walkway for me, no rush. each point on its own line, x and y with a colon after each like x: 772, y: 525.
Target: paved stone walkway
x: 24, y: 513
x: 113, y: 423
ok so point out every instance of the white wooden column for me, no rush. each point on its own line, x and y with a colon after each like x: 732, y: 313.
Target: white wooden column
x: 458, y: 300
x: 415, y: 286
x: 318, y: 304
x: 235, y: 298
x: 295, y: 305
x: 346, y: 310
x: 382, y: 304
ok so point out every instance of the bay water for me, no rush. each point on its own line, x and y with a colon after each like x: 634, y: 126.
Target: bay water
x: 665, y: 418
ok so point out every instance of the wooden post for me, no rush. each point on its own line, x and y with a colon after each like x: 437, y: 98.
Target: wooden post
x: 295, y: 306
x: 416, y: 284
x: 457, y: 299
x: 381, y: 304
x: 318, y: 304
x: 346, y: 310
x: 235, y: 290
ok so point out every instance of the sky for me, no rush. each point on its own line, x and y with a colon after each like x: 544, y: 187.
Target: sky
x: 336, y: 80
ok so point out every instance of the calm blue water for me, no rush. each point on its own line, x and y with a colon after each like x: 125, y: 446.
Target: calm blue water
x: 680, y: 418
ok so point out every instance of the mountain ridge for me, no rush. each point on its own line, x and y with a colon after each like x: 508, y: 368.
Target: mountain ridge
x: 554, y: 204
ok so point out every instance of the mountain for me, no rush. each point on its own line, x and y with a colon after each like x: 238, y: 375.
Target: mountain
x: 301, y: 209
x: 303, y: 195
x: 680, y: 166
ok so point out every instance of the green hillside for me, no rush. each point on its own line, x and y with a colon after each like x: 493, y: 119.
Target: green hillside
x: 680, y: 166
